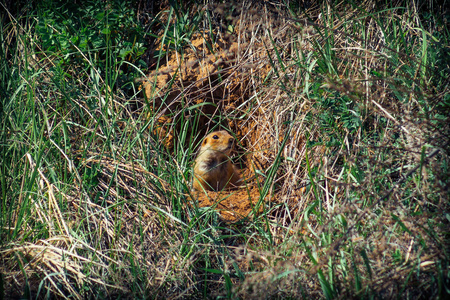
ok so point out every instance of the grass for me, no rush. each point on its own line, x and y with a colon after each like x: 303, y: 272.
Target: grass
x: 342, y: 113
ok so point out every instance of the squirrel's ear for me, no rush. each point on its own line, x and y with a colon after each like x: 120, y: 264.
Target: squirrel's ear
x: 205, y: 141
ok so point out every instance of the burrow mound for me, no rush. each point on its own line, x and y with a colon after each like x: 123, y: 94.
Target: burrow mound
x: 219, y: 83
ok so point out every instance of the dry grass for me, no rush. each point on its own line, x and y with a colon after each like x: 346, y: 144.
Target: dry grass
x: 341, y: 114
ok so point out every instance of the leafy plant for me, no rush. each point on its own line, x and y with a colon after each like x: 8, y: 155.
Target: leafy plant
x: 91, y: 35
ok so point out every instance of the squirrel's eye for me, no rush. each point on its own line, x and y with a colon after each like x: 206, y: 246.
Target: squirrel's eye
x: 215, y: 137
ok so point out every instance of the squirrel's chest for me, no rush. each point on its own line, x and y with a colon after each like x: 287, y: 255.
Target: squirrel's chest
x: 213, y: 164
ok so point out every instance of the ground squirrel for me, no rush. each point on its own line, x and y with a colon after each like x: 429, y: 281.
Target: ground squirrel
x: 213, y: 169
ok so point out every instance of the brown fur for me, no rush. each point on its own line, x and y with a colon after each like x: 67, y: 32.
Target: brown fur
x: 213, y: 169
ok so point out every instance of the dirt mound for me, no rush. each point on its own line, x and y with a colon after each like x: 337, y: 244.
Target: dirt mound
x: 208, y: 82
x: 201, y: 81
x: 232, y: 205
x: 218, y: 83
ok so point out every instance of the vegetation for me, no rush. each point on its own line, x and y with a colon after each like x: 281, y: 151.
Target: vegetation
x: 342, y: 119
